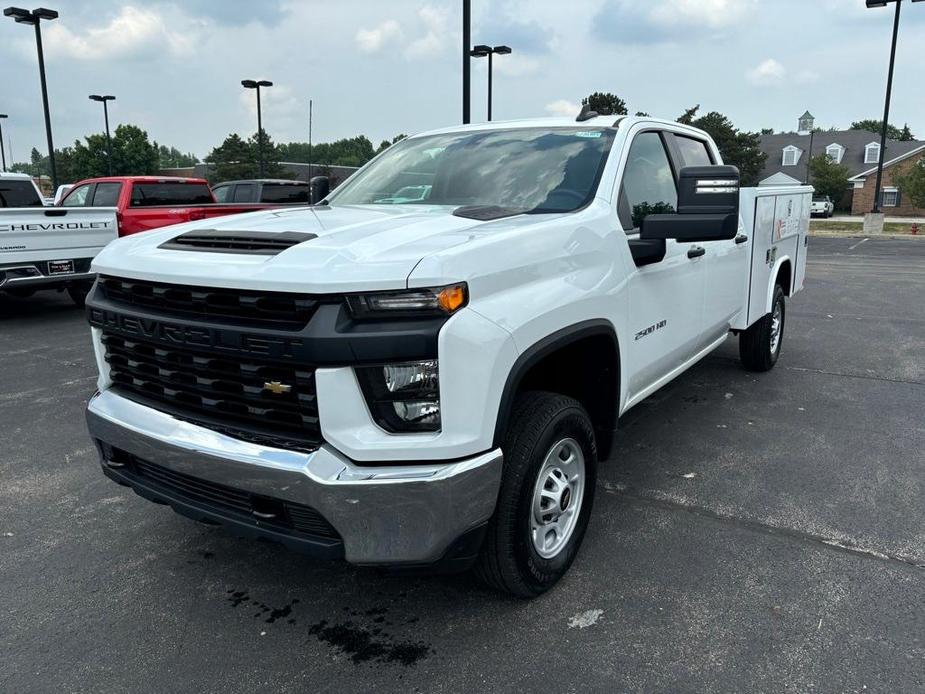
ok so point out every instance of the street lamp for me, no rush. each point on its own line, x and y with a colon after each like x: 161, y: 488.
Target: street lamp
x: 889, y: 90
x: 104, y: 99
x: 482, y: 51
x: 2, y: 150
x: 35, y: 18
x: 257, y: 84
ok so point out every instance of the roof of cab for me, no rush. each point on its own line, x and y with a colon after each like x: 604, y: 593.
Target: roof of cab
x: 557, y: 122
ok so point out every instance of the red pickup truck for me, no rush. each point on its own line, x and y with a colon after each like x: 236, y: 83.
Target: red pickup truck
x: 151, y: 202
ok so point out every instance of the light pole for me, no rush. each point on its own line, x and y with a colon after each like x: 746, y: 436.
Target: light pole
x: 105, y: 99
x: 35, y: 19
x: 466, y: 38
x: 257, y: 84
x: 482, y: 51
x: 889, y: 90
x: 2, y: 149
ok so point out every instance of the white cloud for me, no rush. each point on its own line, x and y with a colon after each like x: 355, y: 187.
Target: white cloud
x: 437, y: 36
x: 134, y: 31
x: 562, y: 107
x: 767, y: 72
x: 515, y: 65
x: 807, y: 76
x: 374, y: 40
x: 709, y: 13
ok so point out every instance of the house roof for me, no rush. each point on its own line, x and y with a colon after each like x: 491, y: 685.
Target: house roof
x: 854, y: 142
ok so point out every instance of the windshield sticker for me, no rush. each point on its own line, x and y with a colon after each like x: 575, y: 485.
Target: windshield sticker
x: 589, y: 133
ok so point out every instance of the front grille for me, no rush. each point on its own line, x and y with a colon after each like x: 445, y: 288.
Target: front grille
x: 279, y: 310
x: 258, y: 509
x: 245, y: 242
x: 229, y: 394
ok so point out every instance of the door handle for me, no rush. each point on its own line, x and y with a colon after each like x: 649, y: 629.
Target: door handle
x: 741, y: 238
x: 696, y: 251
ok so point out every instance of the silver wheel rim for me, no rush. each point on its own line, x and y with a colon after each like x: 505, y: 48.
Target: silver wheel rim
x: 557, y: 498
x: 777, y: 324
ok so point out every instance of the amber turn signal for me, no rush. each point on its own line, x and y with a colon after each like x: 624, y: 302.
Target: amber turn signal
x: 452, y: 297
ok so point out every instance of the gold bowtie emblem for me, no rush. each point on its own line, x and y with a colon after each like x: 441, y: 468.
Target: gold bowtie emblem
x: 277, y: 387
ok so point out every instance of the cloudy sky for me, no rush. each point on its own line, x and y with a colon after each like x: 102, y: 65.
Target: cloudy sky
x: 381, y: 67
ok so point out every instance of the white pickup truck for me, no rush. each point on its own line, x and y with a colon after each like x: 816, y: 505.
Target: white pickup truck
x: 48, y: 247
x: 434, y: 383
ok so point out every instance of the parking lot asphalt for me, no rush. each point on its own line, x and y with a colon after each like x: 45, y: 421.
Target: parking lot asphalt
x: 750, y: 533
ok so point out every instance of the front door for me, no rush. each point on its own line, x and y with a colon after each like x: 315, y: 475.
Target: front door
x: 665, y: 298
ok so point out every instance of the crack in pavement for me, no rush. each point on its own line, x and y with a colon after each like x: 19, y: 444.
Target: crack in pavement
x: 811, y: 539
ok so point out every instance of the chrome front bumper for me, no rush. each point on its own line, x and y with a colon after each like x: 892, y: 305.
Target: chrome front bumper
x: 29, y: 275
x: 385, y: 514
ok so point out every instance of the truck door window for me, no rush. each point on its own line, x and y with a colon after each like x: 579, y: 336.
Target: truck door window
x: 106, y: 194
x: 648, y: 182
x: 244, y: 192
x: 221, y: 193
x: 693, y: 152
x: 18, y: 194
x: 77, y: 197
x: 284, y: 192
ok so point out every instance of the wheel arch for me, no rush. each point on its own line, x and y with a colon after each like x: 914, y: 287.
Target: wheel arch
x: 540, y: 365
x: 783, y: 275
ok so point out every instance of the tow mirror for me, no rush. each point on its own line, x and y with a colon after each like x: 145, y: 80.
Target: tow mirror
x: 319, y: 187
x: 708, y: 207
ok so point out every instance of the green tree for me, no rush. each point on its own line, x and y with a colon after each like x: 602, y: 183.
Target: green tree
x: 828, y: 177
x: 740, y: 149
x: 385, y: 144
x: 643, y: 114
x: 688, y: 116
x: 767, y: 131
x: 351, y: 151
x: 171, y: 157
x: 912, y: 183
x: 606, y: 104
x: 132, y: 155
x: 876, y: 126
x: 231, y: 160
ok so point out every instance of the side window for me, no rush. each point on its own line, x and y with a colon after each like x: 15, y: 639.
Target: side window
x: 77, y: 197
x: 221, y: 193
x: 693, y: 152
x: 648, y: 185
x: 244, y: 192
x: 106, y: 194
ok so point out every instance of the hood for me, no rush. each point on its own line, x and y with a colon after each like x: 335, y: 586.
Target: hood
x: 357, y: 248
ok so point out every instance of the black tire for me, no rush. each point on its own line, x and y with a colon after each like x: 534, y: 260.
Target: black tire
x: 755, y: 342
x: 78, y: 292
x: 509, y: 561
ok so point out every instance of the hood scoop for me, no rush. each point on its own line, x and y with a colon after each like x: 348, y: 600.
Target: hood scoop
x: 243, y: 242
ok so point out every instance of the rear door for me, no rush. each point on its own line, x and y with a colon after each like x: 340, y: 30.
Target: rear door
x: 665, y: 298
x: 726, y: 262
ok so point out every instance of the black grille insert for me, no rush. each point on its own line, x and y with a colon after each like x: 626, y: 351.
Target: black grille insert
x: 274, y: 309
x: 247, y: 242
x: 259, y: 509
x: 263, y: 402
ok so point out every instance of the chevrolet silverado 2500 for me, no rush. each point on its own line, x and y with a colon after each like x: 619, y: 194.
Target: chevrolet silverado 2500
x: 45, y: 247
x: 433, y: 383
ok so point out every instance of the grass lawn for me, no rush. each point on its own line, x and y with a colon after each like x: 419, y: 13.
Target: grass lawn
x: 857, y: 228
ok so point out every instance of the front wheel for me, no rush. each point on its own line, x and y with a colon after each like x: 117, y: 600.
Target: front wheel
x: 547, y: 491
x: 759, y: 345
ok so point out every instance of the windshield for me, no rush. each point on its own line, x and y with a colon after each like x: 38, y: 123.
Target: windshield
x: 531, y: 170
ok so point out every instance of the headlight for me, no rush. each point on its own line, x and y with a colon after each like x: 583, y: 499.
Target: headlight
x: 436, y: 301
x: 403, y: 397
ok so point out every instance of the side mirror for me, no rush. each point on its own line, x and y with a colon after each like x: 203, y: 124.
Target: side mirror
x: 708, y: 207
x: 319, y: 187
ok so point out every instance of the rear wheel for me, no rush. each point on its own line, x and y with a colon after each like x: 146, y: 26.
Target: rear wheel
x: 547, y: 491
x: 759, y: 346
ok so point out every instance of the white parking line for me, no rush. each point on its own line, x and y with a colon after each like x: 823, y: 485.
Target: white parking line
x: 857, y: 244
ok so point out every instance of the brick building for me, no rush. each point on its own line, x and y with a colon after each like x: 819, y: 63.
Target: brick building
x: 859, y: 150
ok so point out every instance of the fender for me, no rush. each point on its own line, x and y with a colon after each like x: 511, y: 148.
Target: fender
x: 543, y: 348
x: 775, y: 271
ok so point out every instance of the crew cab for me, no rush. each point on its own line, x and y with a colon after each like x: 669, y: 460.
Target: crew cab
x: 150, y: 202
x: 822, y: 206
x: 47, y: 248
x: 268, y: 190
x: 434, y: 382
